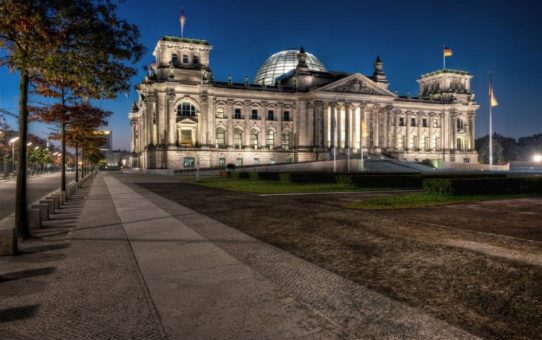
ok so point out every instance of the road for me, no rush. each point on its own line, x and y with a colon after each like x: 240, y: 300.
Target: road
x: 37, y: 187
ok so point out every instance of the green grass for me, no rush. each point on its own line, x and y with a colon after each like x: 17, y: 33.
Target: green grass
x: 272, y: 187
x: 420, y: 200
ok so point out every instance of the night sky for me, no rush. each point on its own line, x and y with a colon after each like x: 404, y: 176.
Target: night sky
x: 502, y: 36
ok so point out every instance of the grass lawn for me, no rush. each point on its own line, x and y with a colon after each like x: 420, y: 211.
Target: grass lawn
x: 272, y: 187
x: 420, y: 200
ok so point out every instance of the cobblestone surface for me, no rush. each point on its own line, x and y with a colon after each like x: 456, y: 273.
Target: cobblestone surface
x: 83, y: 284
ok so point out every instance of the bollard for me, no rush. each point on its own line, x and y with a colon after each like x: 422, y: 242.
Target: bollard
x: 8, y: 236
x: 50, y: 206
x: 34, y: 218
x: 44, y: 215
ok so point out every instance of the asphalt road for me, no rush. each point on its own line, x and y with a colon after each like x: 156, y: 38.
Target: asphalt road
x: 37, y: 187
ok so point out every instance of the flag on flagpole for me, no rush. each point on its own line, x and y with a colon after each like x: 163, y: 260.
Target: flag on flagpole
x: 182, y: 20
x: 492, y: 100
x: 447, y: 52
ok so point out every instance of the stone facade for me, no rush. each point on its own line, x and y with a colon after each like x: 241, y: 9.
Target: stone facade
x: 184, y: 116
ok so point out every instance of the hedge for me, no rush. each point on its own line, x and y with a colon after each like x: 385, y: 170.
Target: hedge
x: 483, y: 186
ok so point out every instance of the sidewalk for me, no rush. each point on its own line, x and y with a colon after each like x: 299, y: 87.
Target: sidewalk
x: 143, y: 267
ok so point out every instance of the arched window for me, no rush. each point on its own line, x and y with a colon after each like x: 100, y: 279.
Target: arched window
x: 254, y: 139
x: 286, y: 141
x: 220, y: 112
x: 237, y: 138
x: 270, y: 138
x: 186, y: 109
x: 220, y: 137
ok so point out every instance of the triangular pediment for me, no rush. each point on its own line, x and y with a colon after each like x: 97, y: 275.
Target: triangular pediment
x: 357, y: 84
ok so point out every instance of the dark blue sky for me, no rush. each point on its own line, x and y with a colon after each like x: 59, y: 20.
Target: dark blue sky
x: 502, y: 36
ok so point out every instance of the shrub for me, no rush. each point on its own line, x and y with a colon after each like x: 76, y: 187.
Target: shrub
x: 437, y: 186
x: 387, y: 181
x: 224, y: 174
x: 344, y: 181
x: 285, y: 177
x: 483, y: 186
x: 253, y: 175
x: 312, y: 177
x: 268, y: 176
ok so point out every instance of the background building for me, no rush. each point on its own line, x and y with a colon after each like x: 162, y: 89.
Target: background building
x: 295, y: 111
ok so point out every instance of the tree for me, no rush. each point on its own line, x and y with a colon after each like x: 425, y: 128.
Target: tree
x: 63, y: 44
x: 29, y: 31
x: 90, y: 64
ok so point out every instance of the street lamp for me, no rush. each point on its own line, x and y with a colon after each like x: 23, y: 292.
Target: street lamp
x: 12, y: 143
x: 537, y: 158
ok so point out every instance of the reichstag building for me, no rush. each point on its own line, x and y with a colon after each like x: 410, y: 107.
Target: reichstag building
x: 295, y: 110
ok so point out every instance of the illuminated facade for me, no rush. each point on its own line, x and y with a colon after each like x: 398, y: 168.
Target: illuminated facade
x: 295, y: 111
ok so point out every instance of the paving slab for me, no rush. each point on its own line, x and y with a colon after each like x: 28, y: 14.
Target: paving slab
x: 208, y: 280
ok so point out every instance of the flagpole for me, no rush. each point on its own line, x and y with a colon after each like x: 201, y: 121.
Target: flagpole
x: 443, y: 58
x: 490, y: 124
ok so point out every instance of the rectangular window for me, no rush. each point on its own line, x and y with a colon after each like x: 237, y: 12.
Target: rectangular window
x: 412, y: 121
x: 256, y: 161
x: 237, y: 139
x: 220, y: 112
x: 222, y: 162
x: 426, y: 143
x: 237, y: 114
x: 286, y: 116
x: 186, y: 138
x: 285, y: 141
x: 195, y: 60
x: 254, y: 114
x: 466, y: 160
x: 239, y: 162
x: 435, y: 122
x: 254, y: 140
x: 189, y: 162
x: 401, y: 121
x: 272, y: 161
x: 220, y: 137
x: 270, y: 115
x: 424, y: 122
x: 185, y: 59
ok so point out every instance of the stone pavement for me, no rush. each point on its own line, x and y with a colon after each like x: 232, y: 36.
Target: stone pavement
x: 138, y: 266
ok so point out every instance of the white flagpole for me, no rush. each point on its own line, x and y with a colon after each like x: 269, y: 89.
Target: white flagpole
x: 490, y: 124
x: 443, y: 58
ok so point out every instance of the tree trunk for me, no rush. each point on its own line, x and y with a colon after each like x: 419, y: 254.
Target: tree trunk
x: 76, y: 162
x: 21, y: 219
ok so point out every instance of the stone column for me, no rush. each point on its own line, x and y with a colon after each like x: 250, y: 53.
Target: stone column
x: 172, y: 119
x: 407, y: 126
x: 339, y: 125
x: 229, y: 114
x: 202, y: 120
x: 395, y: 129
x: 348, y: 125
x: 310, y: 123
x: 211, y: 122
x: 472, y: 131
x: 419, y: 120
x: 376, y: 120
x: 263, y: 132
x: 278, y: 131
x: 325, y: 115
x: 430, y: 121
x: 246, y: 127
x: 333, y: 124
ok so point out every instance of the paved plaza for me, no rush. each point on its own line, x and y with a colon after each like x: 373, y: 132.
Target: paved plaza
x: 122, y: 261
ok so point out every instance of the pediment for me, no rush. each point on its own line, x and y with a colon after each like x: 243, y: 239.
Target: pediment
x: 187, y: 120
x: 356, y: 84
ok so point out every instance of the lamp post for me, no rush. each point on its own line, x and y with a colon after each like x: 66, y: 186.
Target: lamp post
x: 12, y: 143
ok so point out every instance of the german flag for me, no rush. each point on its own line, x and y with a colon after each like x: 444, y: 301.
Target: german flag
x: 447, y: 52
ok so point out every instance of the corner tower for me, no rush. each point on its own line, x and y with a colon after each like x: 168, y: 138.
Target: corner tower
x: 182, y: 59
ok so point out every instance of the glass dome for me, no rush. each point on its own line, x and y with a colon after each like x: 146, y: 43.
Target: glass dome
x: 283, y: 62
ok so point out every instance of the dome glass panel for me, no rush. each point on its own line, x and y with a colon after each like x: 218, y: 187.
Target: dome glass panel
x: 283, y: 62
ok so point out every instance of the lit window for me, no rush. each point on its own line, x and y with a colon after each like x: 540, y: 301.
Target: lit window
x: 270, y: 115
x: 220, y: 137
x: 239, y: 162
x: 186, y: 109
x: 285, y: 141
x: 254, y: 114
x: 220, y: 112
x: 286, y: 116
x: 254, y: 139
x: 256, y: 161
x: 222, y: 162
x: 237, y: 114
x: 435, y: 122
x: 189, y: 162
x: 270, y: 138
x: 237, y: 138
